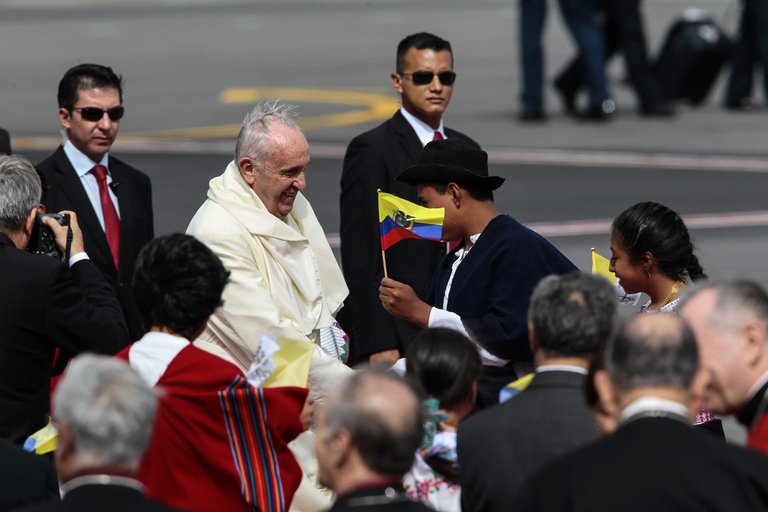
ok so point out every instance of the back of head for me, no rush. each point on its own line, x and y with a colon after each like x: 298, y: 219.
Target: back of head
x: 444, y: 364
x: 178, y: 283
x: 572, y: 314
x: 20, y: 191
x: 652, y: 227
x: 84, y: 77
x: 108, y: 409
x: 653, y: 351
x: 383, y: 417
x: 419, y: 41
x: 256, y: 128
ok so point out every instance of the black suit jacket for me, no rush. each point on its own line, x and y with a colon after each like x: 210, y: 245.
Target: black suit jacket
x: 373, y: 161
x: 380, y: 499
x: 101, y: 498
x: 24, y: 478
x: 44, y: 304
x: 5, y: 142
x: 500, y: 447
x: 658, y: 464
x: 134, y: 195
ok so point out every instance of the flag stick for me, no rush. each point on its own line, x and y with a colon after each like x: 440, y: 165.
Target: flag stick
x: 384, y: 260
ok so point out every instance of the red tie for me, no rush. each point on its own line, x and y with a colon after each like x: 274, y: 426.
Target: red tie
x: 437, y: 136
x: 111, y: 220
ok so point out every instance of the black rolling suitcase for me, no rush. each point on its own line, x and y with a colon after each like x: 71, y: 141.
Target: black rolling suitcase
x: 691, y: 58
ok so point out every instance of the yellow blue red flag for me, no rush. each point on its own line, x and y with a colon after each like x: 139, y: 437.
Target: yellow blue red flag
x: 400, y: 219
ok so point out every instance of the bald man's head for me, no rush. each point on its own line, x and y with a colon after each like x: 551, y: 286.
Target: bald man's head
x: 382, y: 416
x: 653, y: 350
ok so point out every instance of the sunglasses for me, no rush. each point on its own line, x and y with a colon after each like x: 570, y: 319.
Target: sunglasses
x: 95, y: 113
x: 426, y: 77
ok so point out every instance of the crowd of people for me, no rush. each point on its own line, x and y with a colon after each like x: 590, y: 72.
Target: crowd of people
x: 221, y: 369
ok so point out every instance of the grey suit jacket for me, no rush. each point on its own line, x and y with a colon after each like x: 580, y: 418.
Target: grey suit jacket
x: 500, y: 447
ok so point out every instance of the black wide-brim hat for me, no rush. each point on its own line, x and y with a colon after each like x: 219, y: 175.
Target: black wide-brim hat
x: 451, y: 160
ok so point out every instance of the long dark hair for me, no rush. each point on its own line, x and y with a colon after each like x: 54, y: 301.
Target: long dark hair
x: 652, y: 227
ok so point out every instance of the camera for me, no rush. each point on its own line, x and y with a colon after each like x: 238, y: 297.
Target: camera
x: 42, y: 240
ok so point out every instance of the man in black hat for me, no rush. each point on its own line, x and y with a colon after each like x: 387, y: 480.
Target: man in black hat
x: 482, y: 288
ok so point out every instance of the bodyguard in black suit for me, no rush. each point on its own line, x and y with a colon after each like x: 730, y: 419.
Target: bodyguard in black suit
x: 43, y: 305
x: 90, y: 109
x: 424, y: 80
x: 654, y: 460
x: 570, y: 316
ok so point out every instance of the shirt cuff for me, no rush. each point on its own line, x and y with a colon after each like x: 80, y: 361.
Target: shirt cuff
x: 77, y: 257
x: 447, y: 319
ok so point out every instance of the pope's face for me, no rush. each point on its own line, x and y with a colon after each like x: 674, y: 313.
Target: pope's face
x: 281, y: 175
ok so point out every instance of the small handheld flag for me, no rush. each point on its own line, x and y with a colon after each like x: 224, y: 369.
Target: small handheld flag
x: 601, y: 266
x: 400, y: 219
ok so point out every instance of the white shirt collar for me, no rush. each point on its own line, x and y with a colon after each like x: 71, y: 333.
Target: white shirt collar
x: 424, y: 132
x: 561, y: 368
x: 653, y: 404
x: 81, y: 163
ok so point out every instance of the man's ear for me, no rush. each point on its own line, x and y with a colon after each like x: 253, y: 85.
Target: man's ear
x: 65, y: 118
x: 698, y: 389
x: 397, y: 83
x: 65, y: 452
x: 531, y: 337
x: 754, y: 333
x: 247, y: 170
x: 30, y: 222
x: 606, y: 393
x: 455, y: 192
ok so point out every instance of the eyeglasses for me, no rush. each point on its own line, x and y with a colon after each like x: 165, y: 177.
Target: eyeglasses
x: 95, y: 113
x: 426, y: 77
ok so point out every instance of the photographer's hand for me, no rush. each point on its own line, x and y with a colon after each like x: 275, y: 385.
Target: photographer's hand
x: 60, y: 233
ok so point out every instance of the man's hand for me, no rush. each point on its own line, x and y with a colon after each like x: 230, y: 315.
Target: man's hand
x: 60, y: 233
x: 385, y: 356
x: 402, y: 302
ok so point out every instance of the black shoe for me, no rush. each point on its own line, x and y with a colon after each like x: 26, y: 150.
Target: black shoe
x: 602, y: 112
x: 532, y: 116
x: 567, y: 97
x: 657, y: 109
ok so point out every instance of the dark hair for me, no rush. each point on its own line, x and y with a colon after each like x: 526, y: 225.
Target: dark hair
x: 653, y: 351
x: 384, y: 448
x: 178, y: 283
x: 420, y: 41
x: 478, y: 193
x: 87, y: 76
x: 572, y: 314
x: 444, y: 364
x: 652, y: 227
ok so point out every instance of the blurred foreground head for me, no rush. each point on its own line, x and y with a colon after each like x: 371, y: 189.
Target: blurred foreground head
x: 368, y: 431
x: 652, y: 356
x: 730, y: 320
x: 104, y: 412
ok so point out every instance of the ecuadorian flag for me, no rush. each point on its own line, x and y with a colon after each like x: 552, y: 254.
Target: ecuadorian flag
x: 400, y: 219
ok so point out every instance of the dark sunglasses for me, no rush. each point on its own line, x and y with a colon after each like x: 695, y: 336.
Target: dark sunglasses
x: 95, y: 113
x: 426, y: 77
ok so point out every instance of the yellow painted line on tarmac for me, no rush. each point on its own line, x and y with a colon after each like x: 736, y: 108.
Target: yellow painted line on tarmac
x: 375, y: 107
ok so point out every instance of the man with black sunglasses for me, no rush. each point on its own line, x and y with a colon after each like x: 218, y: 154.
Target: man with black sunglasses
x: 112, y: 199
x: 424, y: 79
